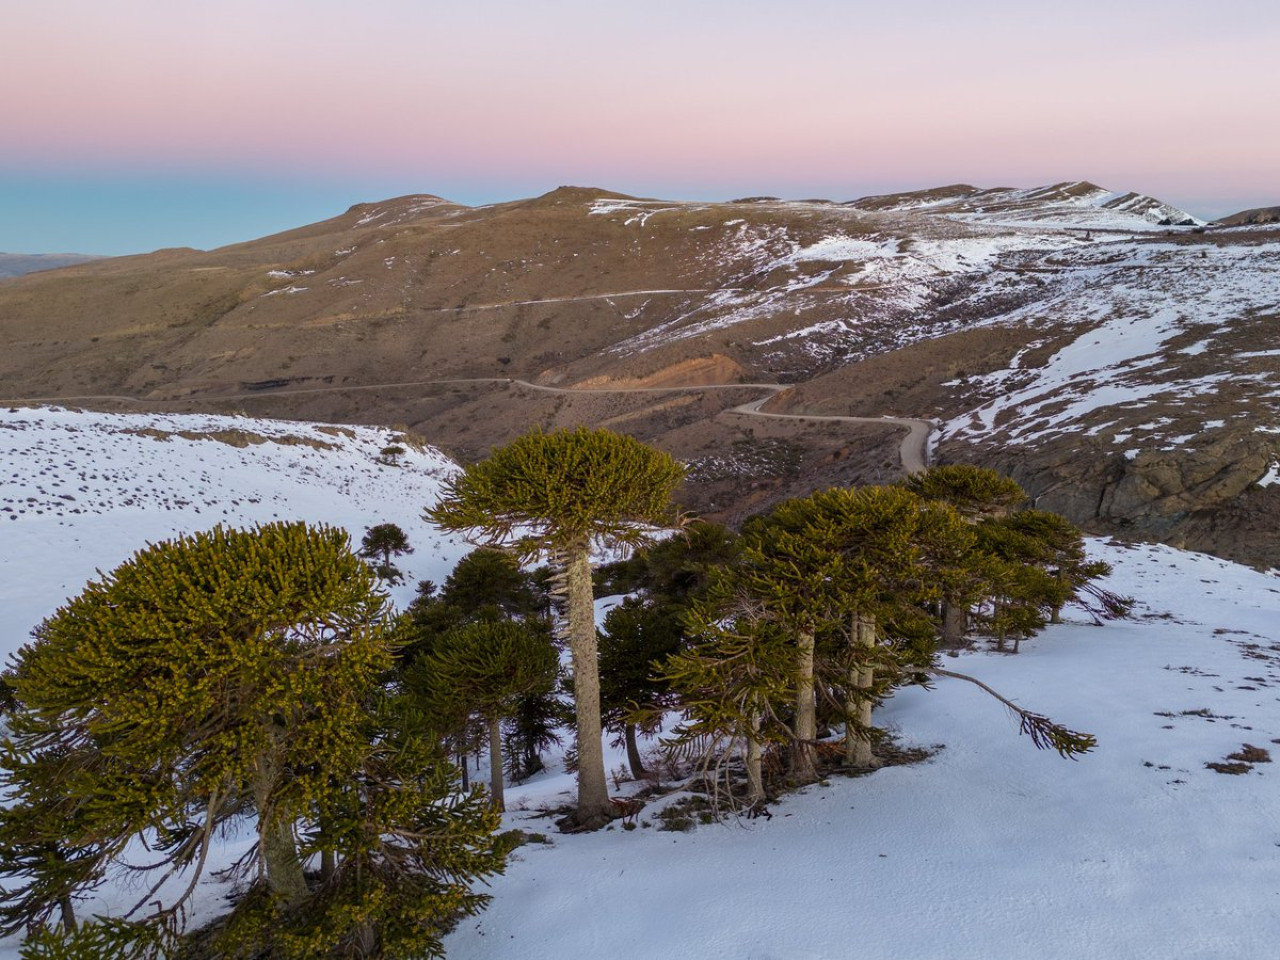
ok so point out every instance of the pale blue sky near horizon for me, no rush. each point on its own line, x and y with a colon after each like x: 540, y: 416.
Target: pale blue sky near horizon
x: 145, y: 124
x: 123, y: 216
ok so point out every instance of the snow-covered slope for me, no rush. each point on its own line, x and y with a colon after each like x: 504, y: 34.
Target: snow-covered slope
x: 1142, y: 331
x: 1075, y: 204
x: 80, y: 492
x: 834, y: 283
x: 989, y: 850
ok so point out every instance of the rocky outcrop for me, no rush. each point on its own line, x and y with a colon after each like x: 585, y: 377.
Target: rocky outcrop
x: 1204, y: 499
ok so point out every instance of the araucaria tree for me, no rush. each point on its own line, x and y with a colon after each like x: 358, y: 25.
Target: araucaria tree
x: 862, y: 558
x: 559, y: 494
x: 638, y: 637
x: 829, y: 603
x: 381, y: 543
x: 229, y: 672
x: 486, y: 667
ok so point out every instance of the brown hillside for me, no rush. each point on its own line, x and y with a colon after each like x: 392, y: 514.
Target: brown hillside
x: 939, y: 304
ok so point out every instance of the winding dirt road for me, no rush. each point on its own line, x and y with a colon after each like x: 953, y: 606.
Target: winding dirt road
x: 914, y: 449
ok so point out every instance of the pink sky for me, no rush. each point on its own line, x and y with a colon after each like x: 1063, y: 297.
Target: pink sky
x: 1177, y: 99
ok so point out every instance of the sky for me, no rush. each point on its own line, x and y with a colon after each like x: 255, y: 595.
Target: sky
x: 141, y: 124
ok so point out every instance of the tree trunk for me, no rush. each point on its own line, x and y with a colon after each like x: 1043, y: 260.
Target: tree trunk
x: 285, y: 878
x: 594, y: 809
x: 633, y: 752
x: 755, y: 777
x: 857, y: 743
x: 366, y: 940
x: 495, y: 764
x: 955, y: 623
x: 463, y: 763
x: 68, y: 914
x: 806, y: 724
x: 65, y: 903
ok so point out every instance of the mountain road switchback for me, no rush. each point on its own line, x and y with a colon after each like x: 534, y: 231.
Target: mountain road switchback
x: 914, y: 449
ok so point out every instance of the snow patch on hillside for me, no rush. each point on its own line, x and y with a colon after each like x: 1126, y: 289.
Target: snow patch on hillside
x: 990, y: 850
x: 1131, y: 302
x: 82, y: 491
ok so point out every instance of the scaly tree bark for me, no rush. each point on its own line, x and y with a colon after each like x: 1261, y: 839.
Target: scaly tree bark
x: 593, y: 790
x: 857, y: 738
x: 802, y: 765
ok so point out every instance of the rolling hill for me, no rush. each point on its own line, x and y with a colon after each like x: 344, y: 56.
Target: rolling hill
x: 1114, y: 353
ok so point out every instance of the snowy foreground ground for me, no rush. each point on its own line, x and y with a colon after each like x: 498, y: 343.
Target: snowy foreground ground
x: 989, y: 850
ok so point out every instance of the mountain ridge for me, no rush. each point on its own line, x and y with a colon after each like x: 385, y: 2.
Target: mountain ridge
x: 888, y: 308
x: 18, y: 264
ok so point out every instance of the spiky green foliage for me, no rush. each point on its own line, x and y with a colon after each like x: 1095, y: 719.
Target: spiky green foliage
x: 677, y: 569
x: 639, y: 635
x: 490, y: 584
x: 106, y: 937
x: 559, y: 494
x: 1024, y: 566
x: 736, y: 678
x: 974, y: 491
x: 216, y: 674
x: 1059, y: 551
x: 381, y: 543
x: 180, y: 680
x: 1036, y: 564
x: 486, y: 666
x: 817, y: 565
x: 861, y: 569
x: 1020, y: 592
x: 530, y: 731
x: 8, y: 697
x: 553, y: 491
x: 408, y: 846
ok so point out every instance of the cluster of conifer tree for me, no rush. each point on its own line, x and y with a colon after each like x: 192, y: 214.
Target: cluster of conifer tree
x: 232, y: 680
x: 260, y: 677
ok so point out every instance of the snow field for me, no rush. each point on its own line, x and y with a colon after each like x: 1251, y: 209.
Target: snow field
x: 1129, y: 303
x: 988, y: 850
x: 81, y: 492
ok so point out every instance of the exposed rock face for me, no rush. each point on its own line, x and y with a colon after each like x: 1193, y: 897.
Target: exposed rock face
x: 1168, y: 486
x: 1206, y: 499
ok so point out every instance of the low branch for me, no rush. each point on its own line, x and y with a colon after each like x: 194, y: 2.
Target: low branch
x: 1044, y: 733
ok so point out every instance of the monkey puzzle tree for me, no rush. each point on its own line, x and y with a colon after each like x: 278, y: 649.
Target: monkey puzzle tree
x: 975, y: 492
x: 736, y: 678
x: 979, y: 495
x: 381, y: 543
x: 486, y: 667
x: 638, y: 636
x: 560, y: 494
x: 1058, y: 549
x: 796, y: 580
x: 220, y: 673
x: 830, y: 597
x: 880, y: 553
